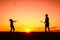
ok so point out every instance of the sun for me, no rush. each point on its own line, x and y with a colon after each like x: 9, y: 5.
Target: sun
x: 28, y: 29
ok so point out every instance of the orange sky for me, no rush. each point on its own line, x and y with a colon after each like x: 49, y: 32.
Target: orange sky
x: 28, y: 14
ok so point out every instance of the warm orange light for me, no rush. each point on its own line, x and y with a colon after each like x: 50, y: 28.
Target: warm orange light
x: 29, y: 14
x: 27, y: 31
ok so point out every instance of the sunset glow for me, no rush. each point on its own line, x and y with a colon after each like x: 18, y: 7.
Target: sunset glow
x: 28, y: 14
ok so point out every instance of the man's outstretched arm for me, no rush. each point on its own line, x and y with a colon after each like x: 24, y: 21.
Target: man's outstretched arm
x: 14, y: 21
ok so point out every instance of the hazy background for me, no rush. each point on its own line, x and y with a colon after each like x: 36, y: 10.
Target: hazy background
x: 29, y: 13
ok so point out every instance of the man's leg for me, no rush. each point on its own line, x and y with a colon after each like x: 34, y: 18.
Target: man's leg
x: 49, y: 29
x: 45, y: 29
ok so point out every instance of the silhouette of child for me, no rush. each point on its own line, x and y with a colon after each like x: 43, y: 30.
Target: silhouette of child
x: 11, y: 25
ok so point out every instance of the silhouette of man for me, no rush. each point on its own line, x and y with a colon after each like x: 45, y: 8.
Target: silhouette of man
x: 47, y: 22
x: 11, y: 25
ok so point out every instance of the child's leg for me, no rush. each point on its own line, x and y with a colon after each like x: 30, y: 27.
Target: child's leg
x: 11, y: 30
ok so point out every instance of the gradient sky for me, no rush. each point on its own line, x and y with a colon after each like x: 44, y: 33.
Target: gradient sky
x: 28, y: 14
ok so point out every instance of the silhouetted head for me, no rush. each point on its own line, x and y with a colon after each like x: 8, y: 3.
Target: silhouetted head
x: 46, y: 15
x: 10, y: 19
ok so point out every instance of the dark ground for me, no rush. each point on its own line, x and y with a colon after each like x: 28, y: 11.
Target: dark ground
x: 30, y: 36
